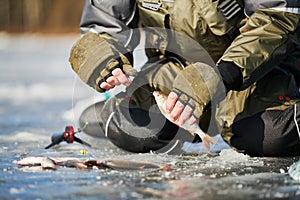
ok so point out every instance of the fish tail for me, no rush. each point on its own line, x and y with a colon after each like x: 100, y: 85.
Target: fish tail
x: 210, y: 139
x: 207, y: 140
x: 206, y: 145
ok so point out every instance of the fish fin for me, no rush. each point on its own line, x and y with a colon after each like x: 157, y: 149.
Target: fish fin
x: 206, y: 140
x: 141, y: 167
x: 191, y: 132
x: 206, y: 145
x: 210, y: 139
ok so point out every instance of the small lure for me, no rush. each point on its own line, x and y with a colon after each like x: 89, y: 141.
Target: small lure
x: 83, y: 152
x: 193, y: 129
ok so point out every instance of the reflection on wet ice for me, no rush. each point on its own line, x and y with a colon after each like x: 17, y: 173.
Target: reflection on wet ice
x: 27, y: 122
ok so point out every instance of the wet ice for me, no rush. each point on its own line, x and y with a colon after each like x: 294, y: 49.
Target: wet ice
x: 27, y: 122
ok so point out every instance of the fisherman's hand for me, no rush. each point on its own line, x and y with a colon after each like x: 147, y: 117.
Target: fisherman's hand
x: 101, y: 61
x: 116, y: 72
x: 193, y: 89
x: 118, y: 77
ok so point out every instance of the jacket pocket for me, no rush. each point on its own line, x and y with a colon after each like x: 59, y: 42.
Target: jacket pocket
x: 154, y: 13
x: 221, y: 16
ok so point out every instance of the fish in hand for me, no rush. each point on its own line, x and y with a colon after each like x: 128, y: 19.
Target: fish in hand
x: 193, y: 129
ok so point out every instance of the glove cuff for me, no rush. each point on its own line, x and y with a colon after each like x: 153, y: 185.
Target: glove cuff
x: 198, y: 85
x: 94, y: 56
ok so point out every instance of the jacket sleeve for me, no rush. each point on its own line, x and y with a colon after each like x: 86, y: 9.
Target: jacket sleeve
x: 267, y: 38
x: 114, y: 17
x: 107, y: 42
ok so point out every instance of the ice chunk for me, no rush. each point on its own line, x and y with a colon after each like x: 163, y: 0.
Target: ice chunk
x: 229, y: 155
x: 294, y: 171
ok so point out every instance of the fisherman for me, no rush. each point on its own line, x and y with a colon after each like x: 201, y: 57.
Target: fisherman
x: 233, y: 66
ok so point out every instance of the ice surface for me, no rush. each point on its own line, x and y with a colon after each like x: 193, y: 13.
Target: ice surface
x: 38, y: 67
x: 20, y: 93
x: 24, y: 137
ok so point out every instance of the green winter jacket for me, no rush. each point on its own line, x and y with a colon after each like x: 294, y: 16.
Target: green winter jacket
x: 261, y: 39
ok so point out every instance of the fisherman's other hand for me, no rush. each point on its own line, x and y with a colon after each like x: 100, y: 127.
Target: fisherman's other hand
x: 116, y: 72
x: 101, y: 61
x: 118, y: 77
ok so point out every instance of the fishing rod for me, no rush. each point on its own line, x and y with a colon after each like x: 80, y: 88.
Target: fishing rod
x: 68, y: 136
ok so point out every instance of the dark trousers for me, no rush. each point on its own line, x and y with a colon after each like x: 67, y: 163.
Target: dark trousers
x: 132, y: 122
x: 269, y: 133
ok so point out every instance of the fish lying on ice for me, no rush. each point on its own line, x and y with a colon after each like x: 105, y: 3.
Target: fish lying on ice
x: 161, y: 100
x: 54, y: 163
x: 48, y: 163
x: 31, y: 161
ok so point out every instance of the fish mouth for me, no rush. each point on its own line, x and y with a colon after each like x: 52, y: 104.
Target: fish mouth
x: 155, y: 93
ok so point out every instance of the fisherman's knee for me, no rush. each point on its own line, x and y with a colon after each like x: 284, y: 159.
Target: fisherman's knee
x: 269, y: 133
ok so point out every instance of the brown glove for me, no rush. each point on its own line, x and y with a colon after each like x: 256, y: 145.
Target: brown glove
x: 93, y: 57
x: 198, y: 85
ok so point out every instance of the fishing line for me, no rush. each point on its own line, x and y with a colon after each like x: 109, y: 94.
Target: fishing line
x: 85, y: 124
x: 86, y: 149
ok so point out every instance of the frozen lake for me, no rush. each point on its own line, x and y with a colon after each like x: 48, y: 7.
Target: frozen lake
x: 40, y: 95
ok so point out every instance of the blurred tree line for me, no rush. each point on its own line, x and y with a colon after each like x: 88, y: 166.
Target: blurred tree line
x: 46, y: 16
